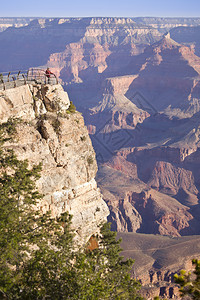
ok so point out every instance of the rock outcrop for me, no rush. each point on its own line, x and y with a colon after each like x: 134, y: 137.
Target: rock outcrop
x: 102, y: 48
x: 142, y: 113
x: 78, y: 61
x: 48, y: 133
x: 168, y: 179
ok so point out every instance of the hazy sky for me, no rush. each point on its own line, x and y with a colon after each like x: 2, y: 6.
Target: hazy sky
x: 87, y: 8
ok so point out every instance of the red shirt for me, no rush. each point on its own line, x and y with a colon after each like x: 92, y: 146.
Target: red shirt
x: 48, y: 73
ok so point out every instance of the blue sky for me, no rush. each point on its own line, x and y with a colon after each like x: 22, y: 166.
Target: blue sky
x: 88, y: 8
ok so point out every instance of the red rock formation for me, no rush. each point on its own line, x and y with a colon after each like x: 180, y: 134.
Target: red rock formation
x: 120, y: 164
x: 169, y: 179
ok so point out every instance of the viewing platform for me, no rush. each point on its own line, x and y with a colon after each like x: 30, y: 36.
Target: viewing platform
x: 9, y: 80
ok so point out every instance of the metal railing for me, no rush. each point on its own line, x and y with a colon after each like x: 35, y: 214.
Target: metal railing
x: 14, y: 79
x: 41, y: 76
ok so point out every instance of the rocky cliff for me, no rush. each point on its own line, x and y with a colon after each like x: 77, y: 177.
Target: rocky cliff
x: 114, y: 111
x: 162, y: 24
x: 49, y: 133
x: 74, y: 47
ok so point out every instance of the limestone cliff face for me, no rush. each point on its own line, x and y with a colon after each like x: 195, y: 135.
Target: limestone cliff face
x: 60, y: 141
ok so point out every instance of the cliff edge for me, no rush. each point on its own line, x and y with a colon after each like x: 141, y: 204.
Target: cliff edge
x: 51, y: 131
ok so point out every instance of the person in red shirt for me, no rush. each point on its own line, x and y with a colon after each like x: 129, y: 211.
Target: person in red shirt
x: 48, y: 74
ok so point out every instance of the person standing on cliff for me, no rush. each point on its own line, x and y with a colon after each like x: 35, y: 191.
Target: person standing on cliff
x: 48, y: 74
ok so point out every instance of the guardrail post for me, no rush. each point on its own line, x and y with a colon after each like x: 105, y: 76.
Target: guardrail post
x: 4, y: 87
x: 24, y: 78
x: 14, y: 81
x: 9, y: 77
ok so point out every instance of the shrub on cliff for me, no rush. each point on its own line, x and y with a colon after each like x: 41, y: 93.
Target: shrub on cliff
x: 71, y: 109
x: 38, y: 259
